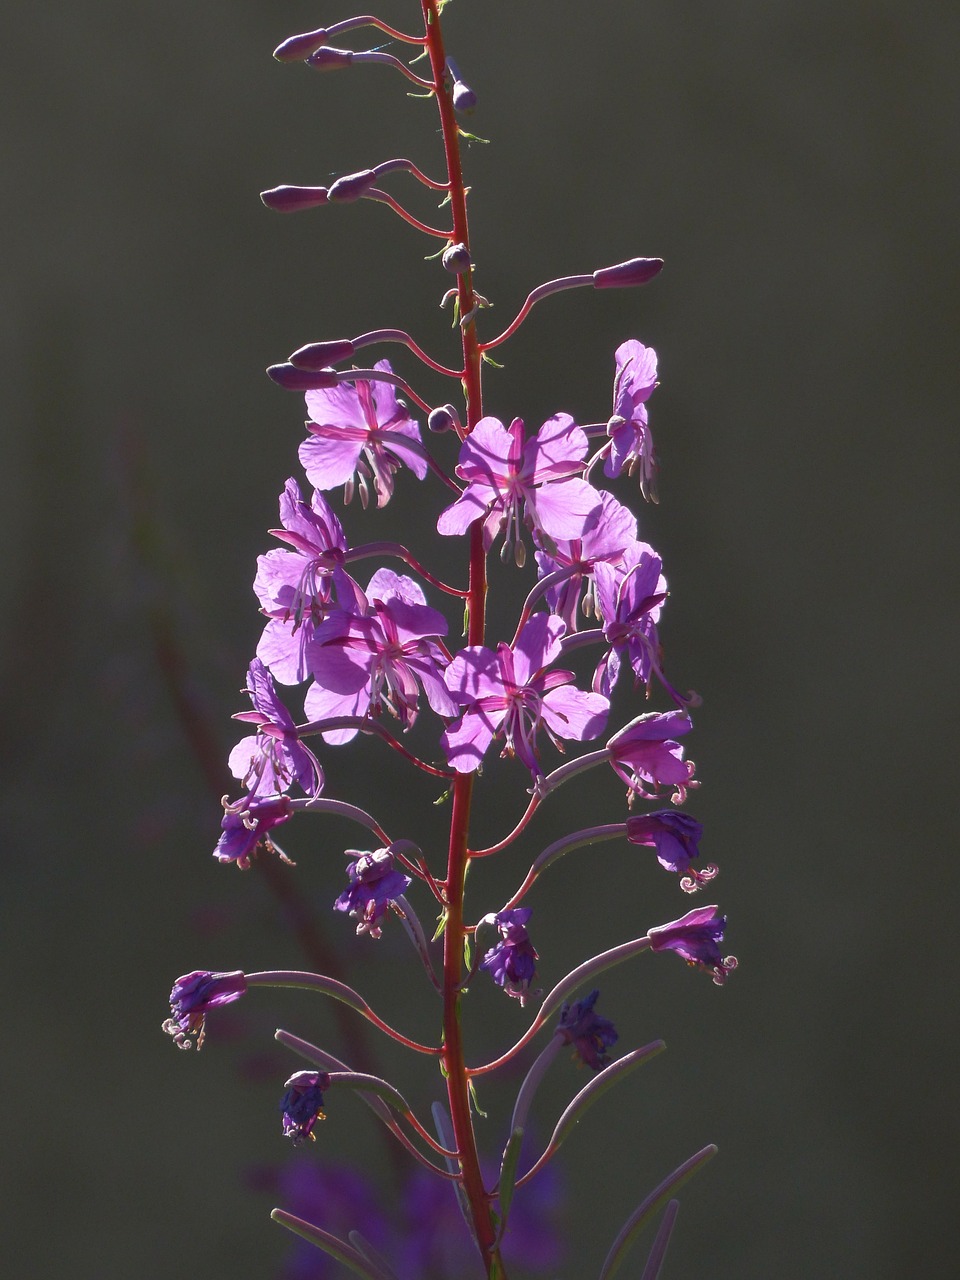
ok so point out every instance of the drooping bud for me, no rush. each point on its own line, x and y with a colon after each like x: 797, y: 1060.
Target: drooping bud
x: 299, y: 48
x: 320, y: 355
x: 352, y: 186
x: 443, y: 418
x: 193, y: 996
x: 302, y: 1104
x: 327, y: 59
x: 626, y: 274
x: 464, y: 98
x: 288, y: 199
x: 456, y: 259
x: 590, y: 1035
x: 293, y: 379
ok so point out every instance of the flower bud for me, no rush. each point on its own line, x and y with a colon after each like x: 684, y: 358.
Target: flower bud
x: 293, y: 379
x: 443, y: 418
x: 327, y: 59
x: 626, y: 274
x: 456, y: 259
x: 299, y: 48
x: 321, y: 355
x: 292, y: 199
x: 351, y: 186
x: 464, y: 98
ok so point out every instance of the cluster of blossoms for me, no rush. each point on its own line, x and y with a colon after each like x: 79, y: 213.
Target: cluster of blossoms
x: 372, y: 655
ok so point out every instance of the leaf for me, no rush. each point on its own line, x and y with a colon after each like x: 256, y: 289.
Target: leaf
x: 508, y: 1176
x: 330, y: 1244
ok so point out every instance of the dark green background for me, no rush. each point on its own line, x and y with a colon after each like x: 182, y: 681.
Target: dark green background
x: 796, y: 165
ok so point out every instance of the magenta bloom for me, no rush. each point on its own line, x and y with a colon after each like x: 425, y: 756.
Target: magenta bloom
x: 629, y: 597
x: 590, y: 1035
x: 297, y: 588
x: 646, y: 757
x: 302, y: 1104
x: 631, y: 444
x: 375, y: 884
x: 379, y: 657
x: 274, y: 758
x: 359, y: 431
x: 246, y: 825
x: 604, y: 542
x: 191, y: 998
x: 509, y: 481
x: 675, y: 837
x: 695, y: 937
x: 512, y: 963
x: 512, y: 689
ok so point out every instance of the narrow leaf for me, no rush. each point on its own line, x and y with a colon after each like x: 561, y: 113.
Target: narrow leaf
x: 330, y: 1244
x: 371, y: 1255
x: 508, y: 1176
x: 642, y: 1214
x: 659, y: 1250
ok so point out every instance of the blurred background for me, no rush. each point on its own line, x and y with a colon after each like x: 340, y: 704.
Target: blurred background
x: 796, y: 165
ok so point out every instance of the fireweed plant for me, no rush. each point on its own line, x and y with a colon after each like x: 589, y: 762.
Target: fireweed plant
x: 376, y: 655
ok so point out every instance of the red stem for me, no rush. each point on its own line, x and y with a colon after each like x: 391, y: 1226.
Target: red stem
x: 457, y: 857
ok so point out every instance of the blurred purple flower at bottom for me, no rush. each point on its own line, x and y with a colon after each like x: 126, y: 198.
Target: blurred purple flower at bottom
x: 695, y: 938
x: 193, y: 995
x: 302, y: 1104
x: 590, y: 1035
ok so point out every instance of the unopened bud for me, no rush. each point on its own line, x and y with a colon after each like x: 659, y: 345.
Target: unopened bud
x: 456, y: 259
x: 626, y: 274
x: 327, y: 59
x: 352, y: 186
x: 293, y: 199
x: 293, y: 379
x: 443, y: 418
x: 464, y: 98
x: 299, y: 48
x: 320, y: 355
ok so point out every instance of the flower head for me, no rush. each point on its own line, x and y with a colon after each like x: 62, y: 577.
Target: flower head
x: 675, y: 837
x: 512, y: 963
x: 644, y: 754
x: 360, y: 432
x: 274, y: 758
x: 590, y: 1035
x: 246, y: 824
x: 375, y: 883
x: 631, y: 444
x: 695, y: 937
x: 302, y: 1104
x: 193, y: 995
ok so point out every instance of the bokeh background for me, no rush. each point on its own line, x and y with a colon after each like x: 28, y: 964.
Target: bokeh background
x: 796, y: 165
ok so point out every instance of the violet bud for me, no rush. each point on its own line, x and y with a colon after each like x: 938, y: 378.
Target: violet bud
x: 299, y: 48
x: 443, y: 418
x: 302, y: 1104
x: 464, y: 98
x: 327, y: 59
x: 352, y: 186
x: 590, y: 1035
x: 375, y: 883
x: 625, y: 274
x: 191, y: 998
x: 321, y: 355
x: 293, y: 379
x: 456, y: 259
x: 287, y: 199
x: 512, y: 963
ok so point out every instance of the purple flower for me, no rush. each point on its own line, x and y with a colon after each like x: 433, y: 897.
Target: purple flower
x: 629, y: 596
x: 644, y: 754
x: 274, y: 758
x: 512, y: 688
x: 512, y: 963
x: 675, y: 837
x: 616, y: 528
x: 193, y: 995
x: 246, y: 824
x: 590, y: 1035
x: 360, y: 429
x: 537, y: 482
x: 302, y: 1104
x: 694, y: 937
x: 379, y: 657
x: 631, y: 444
x: 375, y: 884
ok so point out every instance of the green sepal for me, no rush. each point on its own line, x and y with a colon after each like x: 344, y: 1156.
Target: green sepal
x: 441, y: 926
x: 472, y: 137
x: 487, y: 359
x: 474, y: 1101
